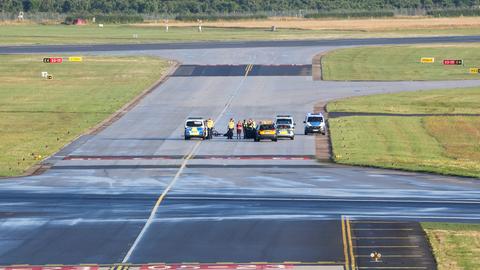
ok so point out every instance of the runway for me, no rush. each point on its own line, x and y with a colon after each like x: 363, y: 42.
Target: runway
x: 137, y: 193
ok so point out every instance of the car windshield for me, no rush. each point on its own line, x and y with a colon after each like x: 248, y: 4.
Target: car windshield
x: 267, y: 127
x: 284, y: 121
x: 194, y: 123
x: 315, y: 119
x: 283, y: 127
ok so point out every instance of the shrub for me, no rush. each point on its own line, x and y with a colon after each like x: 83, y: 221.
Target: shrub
x: 211, y: 17
x: 352, y: 14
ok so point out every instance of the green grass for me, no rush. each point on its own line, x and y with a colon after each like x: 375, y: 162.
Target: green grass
x: 389, y: 63
x: 67, y: 34
x: 460, y: 100
x: 39, y: 116
x: 440, y: 144
x: 455, y: 245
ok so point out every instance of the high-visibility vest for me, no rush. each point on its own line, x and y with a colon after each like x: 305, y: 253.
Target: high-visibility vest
x: 210, y: 124
x: 231, y: 124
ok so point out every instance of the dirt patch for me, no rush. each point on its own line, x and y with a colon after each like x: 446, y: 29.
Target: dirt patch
x: 401, y: 23
x: 323, y: 145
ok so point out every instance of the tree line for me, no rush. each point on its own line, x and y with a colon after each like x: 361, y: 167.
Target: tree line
x: 220, y: 6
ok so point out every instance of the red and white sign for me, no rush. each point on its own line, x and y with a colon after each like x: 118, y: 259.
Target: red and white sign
x: 457, y: 62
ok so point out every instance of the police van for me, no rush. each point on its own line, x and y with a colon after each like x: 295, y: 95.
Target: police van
x: 315, y: 123
x: 195, y: 127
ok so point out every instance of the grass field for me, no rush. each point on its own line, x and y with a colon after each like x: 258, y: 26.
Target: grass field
x: 400, y: 63
x: 39, y: 116
x: 442, y: 144
x: 456, y: 246
x: 16, y: 34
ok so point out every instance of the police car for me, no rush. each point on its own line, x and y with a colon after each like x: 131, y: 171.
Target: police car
x: 315, y: 123
x: 195, y: 127
x: 266, y: 130
x: 285, y: 126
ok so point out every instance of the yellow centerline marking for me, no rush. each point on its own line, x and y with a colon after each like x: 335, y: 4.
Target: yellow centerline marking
x: 344, y: 239
x: 349, y: 234
x: 159, y: 201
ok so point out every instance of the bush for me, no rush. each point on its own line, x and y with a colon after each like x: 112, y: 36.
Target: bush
x: 210, y: 17
x: 350, y: 14
x: 454, y: 12
x: 109, y: 18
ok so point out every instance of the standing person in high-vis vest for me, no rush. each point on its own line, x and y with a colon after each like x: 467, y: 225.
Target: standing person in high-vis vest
x: 210, y: 125
x: 231, y: 127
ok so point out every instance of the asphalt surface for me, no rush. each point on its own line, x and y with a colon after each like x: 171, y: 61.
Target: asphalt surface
x: 136, y: 192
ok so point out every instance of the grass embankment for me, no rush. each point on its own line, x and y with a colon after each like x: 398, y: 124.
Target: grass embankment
x: 400, y: 63
x: 456, y: 246
x: 39, y: 116
x: 287, y: 28
x: 444, y: 144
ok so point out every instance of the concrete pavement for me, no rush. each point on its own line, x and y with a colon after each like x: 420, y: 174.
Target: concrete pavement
x: 216, y: 201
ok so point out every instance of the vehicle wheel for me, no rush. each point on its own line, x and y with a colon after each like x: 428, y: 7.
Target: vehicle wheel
x: 187, y: 138
x: 274, y: 140
x: 291, y: 138
x: 257, y: 140
x: 306, y: 133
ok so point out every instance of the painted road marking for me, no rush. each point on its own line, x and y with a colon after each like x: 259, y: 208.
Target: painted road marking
x: 158, y: 202
x: 349, y: 236
x: 344, y: 241
x: 179, y: 172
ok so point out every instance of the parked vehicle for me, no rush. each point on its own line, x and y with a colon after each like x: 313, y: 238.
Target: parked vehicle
x: 195, y: 127
x: 315, y: 123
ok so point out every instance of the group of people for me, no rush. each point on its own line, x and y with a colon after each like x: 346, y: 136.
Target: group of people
x: 241, y: 127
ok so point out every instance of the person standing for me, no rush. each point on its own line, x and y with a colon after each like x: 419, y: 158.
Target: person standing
x: 231, y: 127
x: 210, y: 125
x: 239, y: 129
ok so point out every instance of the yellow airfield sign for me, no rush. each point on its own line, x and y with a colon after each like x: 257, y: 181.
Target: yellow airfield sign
x: 75, y: 59
x: 427, y: 60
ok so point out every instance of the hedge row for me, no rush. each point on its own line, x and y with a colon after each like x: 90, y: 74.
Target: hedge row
x: 207, y: 17
x: 110, y: 18
x: 350, y: 14
x: 454, y: 12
